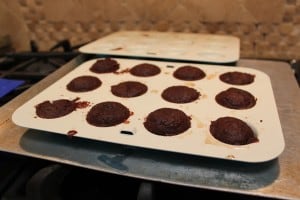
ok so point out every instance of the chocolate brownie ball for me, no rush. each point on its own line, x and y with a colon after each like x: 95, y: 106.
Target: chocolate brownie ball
x: 189, y: 73
x: 235, y: 98
x: 129, y: 89
x: 106, y: 65
x: 84, y: 84
x: 107, y: 114
x: 55, y: 109
x: 237, y: 78
x: 180, y: 94
x: 232, y: 131
x: 145, y: 70
x: 167, y: 122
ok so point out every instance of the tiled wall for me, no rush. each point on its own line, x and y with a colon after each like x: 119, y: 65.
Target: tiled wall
x: 267, y: 28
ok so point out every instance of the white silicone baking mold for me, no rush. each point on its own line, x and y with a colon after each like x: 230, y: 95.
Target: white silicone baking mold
x: 262, y: 118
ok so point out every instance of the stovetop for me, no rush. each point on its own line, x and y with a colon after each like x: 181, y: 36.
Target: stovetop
x: 22, y: 174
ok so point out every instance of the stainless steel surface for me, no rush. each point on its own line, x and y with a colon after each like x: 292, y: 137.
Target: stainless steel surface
x: 278, y: 178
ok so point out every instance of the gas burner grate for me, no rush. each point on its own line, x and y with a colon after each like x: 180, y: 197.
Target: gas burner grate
x: 20, y: 70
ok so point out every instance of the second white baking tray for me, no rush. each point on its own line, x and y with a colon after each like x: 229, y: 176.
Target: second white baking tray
x: 199, y: 47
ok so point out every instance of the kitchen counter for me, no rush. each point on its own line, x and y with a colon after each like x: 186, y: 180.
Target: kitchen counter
x: 278, y: 178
